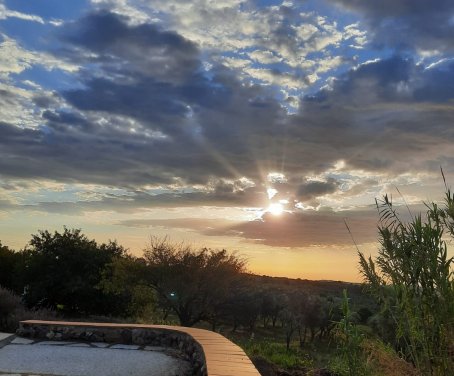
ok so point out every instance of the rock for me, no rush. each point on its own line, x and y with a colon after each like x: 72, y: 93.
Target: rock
x: 50, y: 335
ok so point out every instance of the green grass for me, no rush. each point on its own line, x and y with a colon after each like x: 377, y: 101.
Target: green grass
x: 277, y: 353
x: 269, y: 344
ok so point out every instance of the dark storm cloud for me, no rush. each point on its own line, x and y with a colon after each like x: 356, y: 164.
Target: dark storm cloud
x: 132, y: 122
x: 282, y: 31
x: 207, y: 119
x: 396, y: 79
x: 306, y: 229
x: 298, y: 229
x: 377, y: 117
x: 221, y: 195
x: 206, y: 226
x: 301, y: 229
x: 437, y: 85
x: 311, y: 189
x: 144, y: 49
x: 189, y: 129
x: 408, y: 23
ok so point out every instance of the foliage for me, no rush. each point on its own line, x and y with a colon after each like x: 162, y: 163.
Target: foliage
x: 63, y: 270
x: 12, y: 311
x: 8, y: 304
x: 242, y: 306
x: 10, y: 263
x: 412, y: 278
x: 190, y: 282
x: 276, y: 353
x: 291, y: 320
x: 384, y: 361
x: 364, y: 314
x: 273, y: 302
x: 127, y: 278
x: 351, y: 361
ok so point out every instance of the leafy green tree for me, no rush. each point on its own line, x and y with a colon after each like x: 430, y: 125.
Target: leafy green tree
x: 412, y: 278
x: 188, y: 281
x: 290, y: 323
x: 11, y: 269
x: 63, y: 272
x: 313, y: 315
x: 127, y: 278
x: 273, y: 302
x: 243, y: 306
x: 292, y: 317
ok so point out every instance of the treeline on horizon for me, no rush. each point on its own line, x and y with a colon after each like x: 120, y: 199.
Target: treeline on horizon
x: 404, y: 325
x: 69, y: 275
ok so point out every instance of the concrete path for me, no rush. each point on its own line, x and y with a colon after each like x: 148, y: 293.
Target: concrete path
x: 5, y: 338
x: 26, y: 357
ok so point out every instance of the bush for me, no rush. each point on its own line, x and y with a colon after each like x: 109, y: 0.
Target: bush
x: 277, y: 353
x: 384, y: 361
x: 412, y: 279
x: 351, y: 360
x: 9, y: 304
x: 12, y: 311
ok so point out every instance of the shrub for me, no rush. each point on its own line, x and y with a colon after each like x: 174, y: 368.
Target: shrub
x: 9, y: 304
x: 412, y: 279
x: 12, y: 311
x: 277, y: 353
x: 351, y: 360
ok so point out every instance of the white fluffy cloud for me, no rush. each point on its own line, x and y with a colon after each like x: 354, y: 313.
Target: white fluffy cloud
x: 15, y: 59
x: 7, y: 13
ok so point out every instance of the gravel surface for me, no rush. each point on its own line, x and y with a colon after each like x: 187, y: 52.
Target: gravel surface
x: 69, y: 360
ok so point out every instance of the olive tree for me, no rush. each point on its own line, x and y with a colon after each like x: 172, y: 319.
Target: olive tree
x: 190, y: 282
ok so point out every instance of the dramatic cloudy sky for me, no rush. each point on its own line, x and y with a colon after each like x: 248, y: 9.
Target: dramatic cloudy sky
x: 254, y: 125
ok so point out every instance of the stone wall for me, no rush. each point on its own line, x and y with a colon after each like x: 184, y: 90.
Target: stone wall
x: 183, y: 342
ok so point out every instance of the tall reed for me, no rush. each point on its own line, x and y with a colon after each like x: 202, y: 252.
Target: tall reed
x: 412, y: 278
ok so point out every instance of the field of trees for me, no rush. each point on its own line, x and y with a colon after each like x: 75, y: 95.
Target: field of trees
x: 400, y: 322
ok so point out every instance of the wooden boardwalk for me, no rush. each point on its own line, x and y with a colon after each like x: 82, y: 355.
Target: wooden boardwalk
x: 222, y: 357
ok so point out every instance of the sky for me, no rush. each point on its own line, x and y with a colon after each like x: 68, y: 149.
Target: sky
x: 258, y: 126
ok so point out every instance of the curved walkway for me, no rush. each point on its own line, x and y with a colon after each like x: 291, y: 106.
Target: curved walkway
x: 221, y: 356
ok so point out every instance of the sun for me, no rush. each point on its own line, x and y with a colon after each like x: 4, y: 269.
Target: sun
x: 275, y: 209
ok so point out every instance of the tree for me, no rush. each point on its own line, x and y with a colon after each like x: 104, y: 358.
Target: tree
x: 243, y: 305
x: 412, y: 278
x: 127, y: 278
x: 189, y: 281
x: 290, y: 324
x: 313, y: 315
x: 63, y: 272
x: 10, y: 269
x: 273, y: 302
x: 292, y: 315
